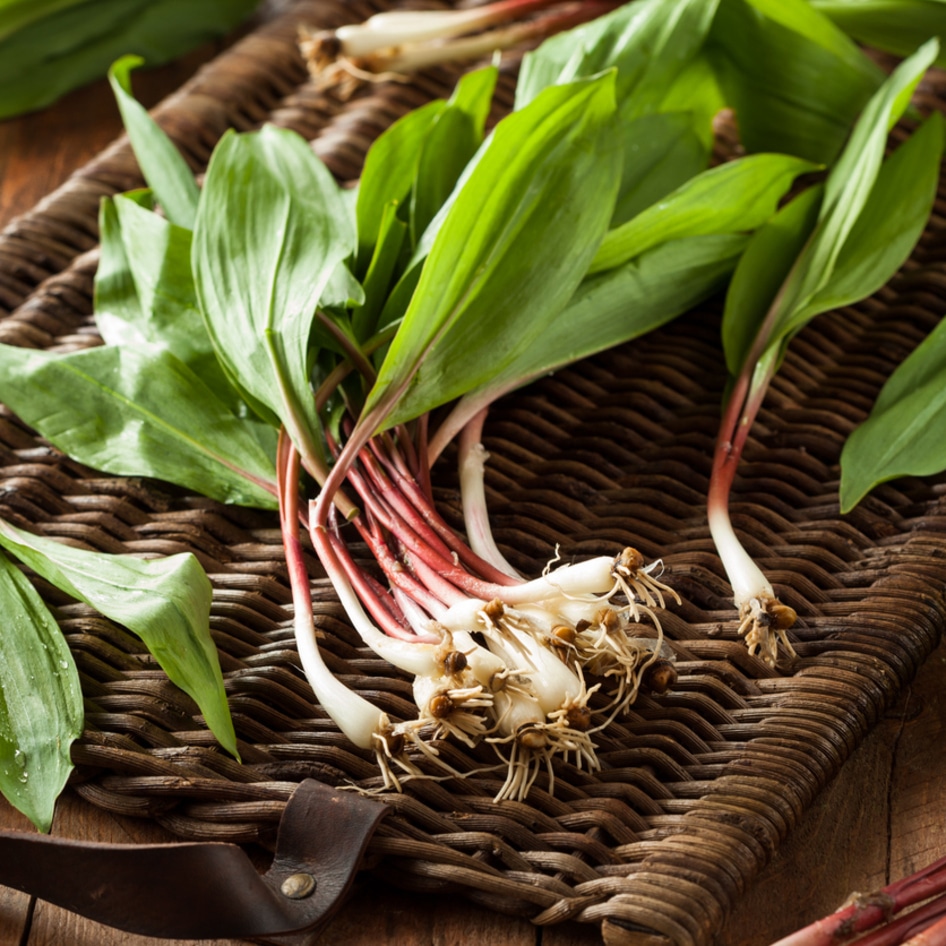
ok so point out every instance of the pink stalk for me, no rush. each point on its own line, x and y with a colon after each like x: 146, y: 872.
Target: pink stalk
x: 287, y: 472
x: 400, y: 507
x: 466, y: 555
x: 747, y: 580
x: 895, y: 932
x: 472, y: 487
x: 423, y: 468
x: 371, y: 594
x: 413, y: 493
x: 443, y: 588
x: 399, y: 576
x: 440, y: 587
x: 870, y: 911
x: 934, y: 935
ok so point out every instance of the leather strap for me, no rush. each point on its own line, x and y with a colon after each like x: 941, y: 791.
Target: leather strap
x: 206, y: 890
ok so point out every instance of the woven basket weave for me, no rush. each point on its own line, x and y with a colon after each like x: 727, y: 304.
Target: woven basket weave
x: 697, y: 787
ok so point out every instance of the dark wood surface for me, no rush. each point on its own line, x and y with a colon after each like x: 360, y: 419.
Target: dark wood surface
x: 882, y: 817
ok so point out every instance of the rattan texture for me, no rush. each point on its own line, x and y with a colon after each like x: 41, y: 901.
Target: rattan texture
x: 698, y: 787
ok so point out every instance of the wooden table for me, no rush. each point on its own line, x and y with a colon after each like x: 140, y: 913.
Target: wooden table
x: 884, y: 815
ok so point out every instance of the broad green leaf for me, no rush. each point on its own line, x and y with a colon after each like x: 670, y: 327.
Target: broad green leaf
x: 661, y: 152
x: 164, y: 601
x: 144, y: 290
x: 140, y: 412
x: 271, y: 230
x: 161, y: 163
x: 388, y: 174
x: 41, y: 711
x: 769, y: 257
x: 796, y: 81
x: 391, y: 239
x: 737, y: 195
x: 630, y: 300
x: 896, y: 26
x: 847, y: 192
x: 649, y: 42
x: 696, y: 91
x: 15, y: 14
x: 905, y: 434
x: 77, y: 43
x: 450, y: 143
x: 890, y: 223
x: 545, y: 180
x: 612, y: 308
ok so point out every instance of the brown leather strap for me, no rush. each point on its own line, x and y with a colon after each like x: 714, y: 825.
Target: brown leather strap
x: 206, y: 890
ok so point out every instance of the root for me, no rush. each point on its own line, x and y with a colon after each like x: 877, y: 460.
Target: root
x: 534, y: 746
x: 764, y: 623
x: 642, y: 590
x: 460, y: 712
x: 389, y: 746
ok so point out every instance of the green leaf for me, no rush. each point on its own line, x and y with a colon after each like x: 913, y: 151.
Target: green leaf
x: 391, y: 239
x: 271, y: 230
x: 858, y: 197
x: 739, y: 195
x: 895, y: 26
x: 612, y: 308
x: 78, y: 42
x: 848, y: 191
x: 545, y: 180
x: 649, y: 42
x: 161, y: 163
x: 696, y: 91
x: 796, y: 81
x: 164, y: 601
x: 389, y: 172
x: 144, y: 289
x: 764, y: 267
x: 140, y: 412
x: 628, y: 301
x: 450, y: 143
x: 661, y: 152
x: 41, y: 711
x: 15, y: 14
x: 905, y: 434
x: 889, y: 225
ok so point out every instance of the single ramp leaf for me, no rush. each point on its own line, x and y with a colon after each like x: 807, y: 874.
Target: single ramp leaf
x: 165, y: 170
x: 737, y: 195
x: 164, y: 601
x: 649, y: 42
x: 41, y: 711
x: 140, y: 411
x: 905, y: 434
x: 144, y: 290
x: 271, y: 230
x: 895, y: 26
x: 389, y: 173
x: 796, y: 82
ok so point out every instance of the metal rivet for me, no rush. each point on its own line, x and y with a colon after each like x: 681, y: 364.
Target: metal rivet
x: 298, y: 886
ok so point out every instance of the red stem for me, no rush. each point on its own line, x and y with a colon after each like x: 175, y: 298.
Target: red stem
x: 895, y: 932
x: 371, y: 594
x: 869, y: 912
x: 287, y: 477
x: 417, y: 498
x: 398, y: 575
x: 934, y: 935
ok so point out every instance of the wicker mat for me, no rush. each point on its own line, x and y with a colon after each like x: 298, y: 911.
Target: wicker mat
x: 697, y: 787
